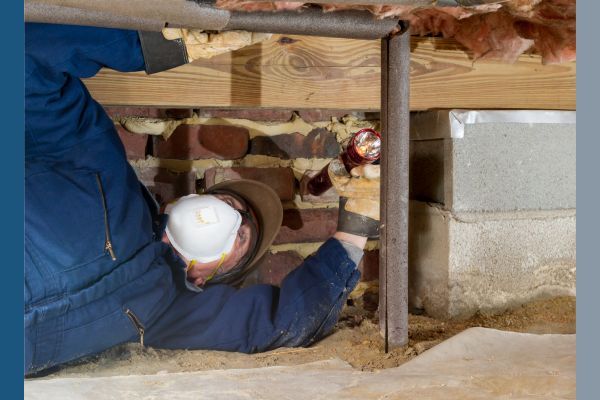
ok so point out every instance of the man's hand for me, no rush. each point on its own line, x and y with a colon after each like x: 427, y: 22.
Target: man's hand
x: 359, y: 198
x: 200, y: 44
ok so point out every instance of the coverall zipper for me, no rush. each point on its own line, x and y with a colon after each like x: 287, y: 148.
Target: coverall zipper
x: 137, y: 324
x: 107, y: 243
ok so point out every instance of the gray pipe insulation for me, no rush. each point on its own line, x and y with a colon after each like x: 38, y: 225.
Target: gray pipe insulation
x: 419, y: 3
x: 313, y: 21
x: 154, y: 15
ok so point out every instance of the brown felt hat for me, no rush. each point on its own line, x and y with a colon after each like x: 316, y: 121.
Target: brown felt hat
x: 266, y: 205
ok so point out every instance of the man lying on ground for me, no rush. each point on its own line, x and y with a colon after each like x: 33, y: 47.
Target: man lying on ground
x: 104, y: 266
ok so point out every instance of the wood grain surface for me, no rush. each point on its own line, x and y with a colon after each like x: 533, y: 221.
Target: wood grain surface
x: 314, y: 72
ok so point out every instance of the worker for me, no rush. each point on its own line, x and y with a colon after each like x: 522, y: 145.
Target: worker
x: 103, y: 265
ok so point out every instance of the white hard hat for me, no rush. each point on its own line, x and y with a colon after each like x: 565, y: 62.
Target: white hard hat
x: 202, y: 227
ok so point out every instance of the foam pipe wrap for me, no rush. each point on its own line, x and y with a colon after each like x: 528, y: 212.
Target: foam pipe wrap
x: 153, y: 15
x: 149, y: 15
x: 422, y: 3
x: 312, y: 21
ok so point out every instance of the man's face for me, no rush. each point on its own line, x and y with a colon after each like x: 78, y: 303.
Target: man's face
x: 199, y: 273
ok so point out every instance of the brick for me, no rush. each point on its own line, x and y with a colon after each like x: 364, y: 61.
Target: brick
x: 149, y: 112
x: 272, y: 268
x: 190, y: 142
x: 369, y: 265
x: 319, y: 143
x: 135, y: 144
x: 166, y: 185
x: 305, y: 226
x: 251, y: 114
x: 329, y: 196
x: 281, y: 180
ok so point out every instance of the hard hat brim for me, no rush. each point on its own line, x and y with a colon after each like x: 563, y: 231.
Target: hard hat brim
x: 266, y: 205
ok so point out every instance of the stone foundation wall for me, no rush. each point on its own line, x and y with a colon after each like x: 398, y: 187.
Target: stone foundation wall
x: 492, y: 219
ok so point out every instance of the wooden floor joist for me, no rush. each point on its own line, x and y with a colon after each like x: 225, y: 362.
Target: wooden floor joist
x: 314, y: 72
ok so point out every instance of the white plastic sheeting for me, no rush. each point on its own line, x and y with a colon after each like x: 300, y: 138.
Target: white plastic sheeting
x: 478, y: 363
x: 442, y: 124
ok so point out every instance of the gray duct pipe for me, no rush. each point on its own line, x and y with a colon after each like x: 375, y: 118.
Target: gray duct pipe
x: 153, y: 15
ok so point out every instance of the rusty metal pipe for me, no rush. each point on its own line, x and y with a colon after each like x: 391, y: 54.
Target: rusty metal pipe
x: 393, y: 257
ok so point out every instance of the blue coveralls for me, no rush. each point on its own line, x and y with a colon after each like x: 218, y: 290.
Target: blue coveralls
x: 81, y: 192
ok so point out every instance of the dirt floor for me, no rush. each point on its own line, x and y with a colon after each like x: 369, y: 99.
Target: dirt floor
x: 355, y: 340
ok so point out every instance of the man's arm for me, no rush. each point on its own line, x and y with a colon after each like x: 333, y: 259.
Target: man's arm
x: 263, y: 317
x: 59, y: 111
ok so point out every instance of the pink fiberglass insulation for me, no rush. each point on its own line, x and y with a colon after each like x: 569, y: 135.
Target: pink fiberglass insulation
x: 500, y: 31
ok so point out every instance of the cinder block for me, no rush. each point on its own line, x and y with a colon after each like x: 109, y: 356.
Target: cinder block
x: 281, y: 180
x: 461, y: 263
x: 191, y: 142
x: 135, y: 144
x: 319, y: 143
x: 498, y: 161
x: 308, y: 225
x: 501, y: 166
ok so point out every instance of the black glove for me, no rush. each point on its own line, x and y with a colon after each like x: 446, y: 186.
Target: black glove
x: 356, y: 224
x: 359, y: 198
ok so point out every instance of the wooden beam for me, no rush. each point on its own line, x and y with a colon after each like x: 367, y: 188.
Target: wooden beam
x: 311, y: 72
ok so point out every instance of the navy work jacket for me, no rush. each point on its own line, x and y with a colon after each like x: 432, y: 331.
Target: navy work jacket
x: 96, y: 271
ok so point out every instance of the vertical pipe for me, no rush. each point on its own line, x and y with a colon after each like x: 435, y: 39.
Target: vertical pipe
x: 383, y: 315
x: 393, y: 260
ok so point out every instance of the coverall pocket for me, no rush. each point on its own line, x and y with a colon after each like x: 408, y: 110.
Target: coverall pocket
x: 95, y: 336
x: 65, y: 218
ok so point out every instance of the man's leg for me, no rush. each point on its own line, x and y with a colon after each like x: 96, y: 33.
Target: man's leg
x: 72, y: 148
